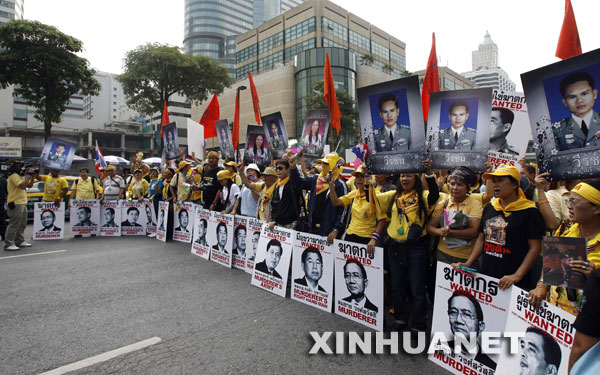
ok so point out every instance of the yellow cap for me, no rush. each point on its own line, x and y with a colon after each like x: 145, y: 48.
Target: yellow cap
x: 110, y: 168
x: 231, y: 164
x: 269, y: 171
x: 223, y: 175
x: 182, y: 164
x: 505, y: 170
x: 333, y: 160
x: 360, y: 170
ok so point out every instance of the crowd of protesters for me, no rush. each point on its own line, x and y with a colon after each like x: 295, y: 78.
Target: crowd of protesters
x: 407, y: 215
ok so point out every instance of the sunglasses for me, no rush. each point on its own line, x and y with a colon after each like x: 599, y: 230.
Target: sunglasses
x: 280, y: 168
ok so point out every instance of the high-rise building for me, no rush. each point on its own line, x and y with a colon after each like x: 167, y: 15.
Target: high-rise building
x: 486, y: 67
x: 11, y: 10
x: 212, y: 26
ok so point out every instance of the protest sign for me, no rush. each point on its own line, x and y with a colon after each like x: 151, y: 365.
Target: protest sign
x: 57, y: 154
x: 10, y: 147
x: 85, y: 217
x: 163, y: 220
x: 200, y: 246
x: 133, y: 224
x: 466, y: 304
x: 110, y: 218
x: 273, y: 259
x: 183, y: 221
x: 391, y: 120
x: 458, y: 130
x: 312, y: 271
x: 546, y: 337
x: 253, y: 231
x: 220, y: 233
x: 195, y: 137
x: 314, y: 133
x: 257, y: 148
x: 150, y: 216
x: 564, y: 113
x: 170, y: 141
x: 276, y: 133
x: 359, y: 283
x: 225, y: 140
x: 240, y: 224
x: 48, y: 221
x: 558, y: 252
x: 509, y: 129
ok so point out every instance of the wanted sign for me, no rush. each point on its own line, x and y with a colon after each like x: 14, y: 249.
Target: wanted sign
x: 253, y: 231
x: 273, y: 259
x: 85, y: 217
x: 48, y: 221
x: 200, y: 245
x: 220, y: 236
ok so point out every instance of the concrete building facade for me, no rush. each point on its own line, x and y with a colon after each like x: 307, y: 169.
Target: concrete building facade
x: 486, y: 70
x: 449, y: 79
x: 11, y: 10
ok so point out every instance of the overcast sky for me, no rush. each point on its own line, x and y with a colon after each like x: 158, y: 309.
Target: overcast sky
x: 526, y: 31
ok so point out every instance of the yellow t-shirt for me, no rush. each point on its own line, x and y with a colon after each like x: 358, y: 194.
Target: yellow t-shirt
x: 53, y: 187
x: 16, y: 194
x: 138, y: 189
x: 85, y: 189
x: 399, y: 224
x: 179, y: 181
x: 197, y: 194
x: 470, y: 206
x: 363, y: 222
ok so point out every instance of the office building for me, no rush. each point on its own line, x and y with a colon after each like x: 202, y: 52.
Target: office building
x: 486, y: 67
x: 449, y: 79
x: 11, y: 10
x: 211, y: 27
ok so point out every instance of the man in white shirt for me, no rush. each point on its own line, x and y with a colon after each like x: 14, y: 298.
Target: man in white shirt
x: 113, y: 186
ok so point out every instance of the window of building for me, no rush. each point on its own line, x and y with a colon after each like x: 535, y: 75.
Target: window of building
x: 380, y: 50
x: 292, y: 51
x: 448, y: 84
x: 360, y: 41
x: 397, y: 59
x: 246, y: 53
x: 8, y: 4
x: 270, y: 61
x: 334, y: 28
x: 20, y: 114
x: 270, y: 43
x: 114, y: 89
x: 330, y: 43
x: 115, y: 95
x: 303, y: 28
x: 242, y: 72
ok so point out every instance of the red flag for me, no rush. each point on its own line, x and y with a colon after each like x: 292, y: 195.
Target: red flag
x: 329, y: 93
x: 165, y: 119
x: 431, y: 82
x: 236, y: 122
x: 254, y: 99
x: 568, y: 41
x: 210, y: 115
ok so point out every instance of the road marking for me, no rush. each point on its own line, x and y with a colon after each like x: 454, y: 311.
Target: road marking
x: 103, y: 357
x: 30, y: 255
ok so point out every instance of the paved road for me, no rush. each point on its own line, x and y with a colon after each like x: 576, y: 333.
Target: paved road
x: 106, y: 293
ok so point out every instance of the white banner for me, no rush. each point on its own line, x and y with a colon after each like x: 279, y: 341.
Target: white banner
x: 466, y: 304
x: 163, y: 221
x: 220, y: 234
x: 273, y: 259
x: 312, y: 271
x: 85, y: 217
x: 200, y: 246
x: 195, y: 138
x: 10, y: 147
x: 183, y: 222
x: 359, y: 284
x: 48, y: 221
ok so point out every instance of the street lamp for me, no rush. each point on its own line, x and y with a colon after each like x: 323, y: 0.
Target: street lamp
x: 237, y: 111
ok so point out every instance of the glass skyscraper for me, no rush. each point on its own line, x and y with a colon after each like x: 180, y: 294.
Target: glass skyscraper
x: 211, y: 26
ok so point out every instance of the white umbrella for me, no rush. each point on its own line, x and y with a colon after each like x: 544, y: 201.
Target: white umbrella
x: 78, y: 158
x: 116, y: 160
x: 152, y: 161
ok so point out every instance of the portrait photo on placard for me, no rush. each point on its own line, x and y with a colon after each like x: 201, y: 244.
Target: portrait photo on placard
x: 225, y: 140
x: 85, y: 217
x: 458, y: 129
x: 162, y: 221
x: 240, y: 225
x: 564, y: 113
x: 133, y: 218
x: 57, y: 154
x: 257, y: 147
x: 253, y: 231
x: 170, y: 140
x: 110, y: 218
x: 200, y: 245
x: 276, y: 132
x: 314, y: 132
x: 391, y: 120
x: 220, y: 238
x: 273, y: 260
x: 48, y: 221
x: 183, y: 222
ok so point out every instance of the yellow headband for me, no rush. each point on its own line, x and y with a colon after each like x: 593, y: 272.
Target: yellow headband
x: 213, y: 153
x: 588, y: 192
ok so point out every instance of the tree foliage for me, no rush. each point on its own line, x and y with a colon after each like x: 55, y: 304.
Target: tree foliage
x: 154, y: 72
x: 350, y: 133
x: 42, y: 62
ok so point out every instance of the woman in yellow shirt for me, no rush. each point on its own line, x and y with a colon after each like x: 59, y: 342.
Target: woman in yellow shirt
x: 408, y: 244
x: 138, y: 189
x: 584, y: 212
x: 364, y: 227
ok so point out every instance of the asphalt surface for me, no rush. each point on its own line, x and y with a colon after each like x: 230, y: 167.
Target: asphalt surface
x: 106, y: 293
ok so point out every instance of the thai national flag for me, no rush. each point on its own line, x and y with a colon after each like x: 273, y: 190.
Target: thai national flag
x: 99, y: 158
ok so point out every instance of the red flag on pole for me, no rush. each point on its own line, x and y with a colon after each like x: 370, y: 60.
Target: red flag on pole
x: 431, y: 82
x: 568, y: 41
x: 254, y: 99
x: 330, y: 98
x: 210, y: 115
x: 165, y: 119
x: 236, y: 122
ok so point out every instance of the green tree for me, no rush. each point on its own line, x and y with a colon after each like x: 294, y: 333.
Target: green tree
x: 350, y: 132
x: 154, y: 72
x: 42, y: 63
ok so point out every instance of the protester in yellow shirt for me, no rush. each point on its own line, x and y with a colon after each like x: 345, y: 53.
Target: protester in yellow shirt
x: 364, y: 227
x: 85, y: 187
x: 55, y: 187
x: 16, y: 201
x: 138, y: 189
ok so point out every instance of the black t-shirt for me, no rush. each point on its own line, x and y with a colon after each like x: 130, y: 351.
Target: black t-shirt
x: 320, y: 206
x: 505, y: 241
x: 587, y: 321
x: 211, y: 186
